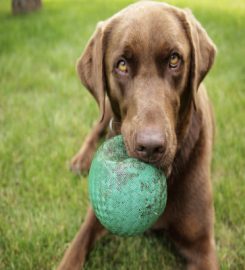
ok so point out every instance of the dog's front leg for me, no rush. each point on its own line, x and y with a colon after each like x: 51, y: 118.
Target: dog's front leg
x: 191, y: 223
x: 88, y: 233
x: 82, y: 160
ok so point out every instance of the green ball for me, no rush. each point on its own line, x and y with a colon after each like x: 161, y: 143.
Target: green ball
x: 127, y: 195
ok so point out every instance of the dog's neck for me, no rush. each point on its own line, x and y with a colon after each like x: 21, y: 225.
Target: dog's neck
x: 114, y: 126
x: 188, y: 144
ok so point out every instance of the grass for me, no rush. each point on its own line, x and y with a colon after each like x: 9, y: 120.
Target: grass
x: 45, y: 114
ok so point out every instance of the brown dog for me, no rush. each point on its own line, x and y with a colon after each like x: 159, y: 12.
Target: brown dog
x: 144, y: 66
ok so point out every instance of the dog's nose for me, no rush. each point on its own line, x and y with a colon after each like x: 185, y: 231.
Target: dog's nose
x: 149, y: 145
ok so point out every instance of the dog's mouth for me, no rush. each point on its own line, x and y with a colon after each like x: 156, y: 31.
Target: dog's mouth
x: 163, y: 162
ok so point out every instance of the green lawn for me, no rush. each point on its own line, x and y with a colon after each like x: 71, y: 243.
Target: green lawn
x: 45, y: 114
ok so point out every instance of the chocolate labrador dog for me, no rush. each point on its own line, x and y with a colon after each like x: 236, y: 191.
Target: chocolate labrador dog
x: 145, y: 67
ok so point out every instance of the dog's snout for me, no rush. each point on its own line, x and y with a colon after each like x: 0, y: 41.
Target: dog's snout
x: 149, y: 145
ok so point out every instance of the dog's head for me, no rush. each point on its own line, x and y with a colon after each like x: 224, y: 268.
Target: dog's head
x: 149, y: 59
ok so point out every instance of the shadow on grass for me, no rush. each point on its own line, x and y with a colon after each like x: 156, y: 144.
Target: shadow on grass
x: 150, y: 251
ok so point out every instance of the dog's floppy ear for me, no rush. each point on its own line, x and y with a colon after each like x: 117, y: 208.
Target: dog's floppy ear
x: 203, y: 52
x: 90, y: 67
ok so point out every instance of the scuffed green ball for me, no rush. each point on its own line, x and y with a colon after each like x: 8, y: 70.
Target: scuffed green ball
x: 127, y: 195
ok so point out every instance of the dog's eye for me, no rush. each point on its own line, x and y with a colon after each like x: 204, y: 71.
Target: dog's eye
x: 122, y: 66
x: 174, y: 60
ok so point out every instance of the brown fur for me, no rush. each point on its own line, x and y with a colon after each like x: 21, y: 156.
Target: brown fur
x: 155, y: 105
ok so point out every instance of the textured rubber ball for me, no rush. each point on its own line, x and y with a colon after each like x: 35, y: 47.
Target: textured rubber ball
x: 127, y: 195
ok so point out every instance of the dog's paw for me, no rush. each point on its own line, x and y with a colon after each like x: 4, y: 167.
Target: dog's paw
x: 81, y: 162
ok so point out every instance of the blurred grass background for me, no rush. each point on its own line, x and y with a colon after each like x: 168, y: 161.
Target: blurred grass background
x: 45, y: 114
